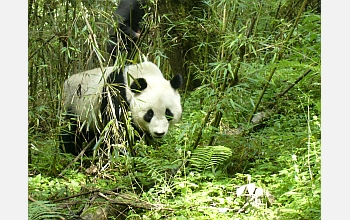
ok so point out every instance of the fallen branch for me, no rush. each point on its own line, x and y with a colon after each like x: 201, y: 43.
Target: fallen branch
x: 132, y: 200
x: 128, y: 199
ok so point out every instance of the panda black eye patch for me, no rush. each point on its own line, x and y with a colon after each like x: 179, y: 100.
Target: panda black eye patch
x: 169, y: 115
x: 148, y: 116
x: 138, y: 85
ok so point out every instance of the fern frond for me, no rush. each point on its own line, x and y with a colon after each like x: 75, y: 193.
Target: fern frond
x: 209, y: 157
x: 43, y: 210
x: 149, y: 165
x: 151, y: 170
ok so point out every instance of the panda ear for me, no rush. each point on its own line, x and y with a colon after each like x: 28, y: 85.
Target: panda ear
x: 176, y: 81
x: 138, y: 85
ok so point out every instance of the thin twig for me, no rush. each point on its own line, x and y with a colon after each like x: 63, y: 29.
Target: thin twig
x: 79, y: 155
x: 93, y: 41
x: 272, y: 105
x: 31, y: 199
x: 309, y: 138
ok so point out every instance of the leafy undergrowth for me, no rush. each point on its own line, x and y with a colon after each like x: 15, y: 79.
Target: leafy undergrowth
x: 271, y: 173
x: 216, y: 163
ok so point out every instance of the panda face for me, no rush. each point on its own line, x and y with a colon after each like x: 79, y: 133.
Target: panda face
x: 154, y: 101
x: 156, y: 108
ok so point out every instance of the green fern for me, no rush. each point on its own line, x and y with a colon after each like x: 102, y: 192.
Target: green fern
x: 148, y: 164
x: 209, y: 157
x: 43, y: 210
x: 150, y: 170
x: 153, y: 167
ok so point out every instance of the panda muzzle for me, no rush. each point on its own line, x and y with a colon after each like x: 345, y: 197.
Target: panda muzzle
x: 158, y: 134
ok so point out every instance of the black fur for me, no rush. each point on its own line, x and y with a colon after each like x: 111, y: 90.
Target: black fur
x: 128, y: 16
x: 116, y: 81
x: 176, y: 81
x: 148, y: 116
x: 73, y: 139
x: 169, y: 115
x: 138, y: 85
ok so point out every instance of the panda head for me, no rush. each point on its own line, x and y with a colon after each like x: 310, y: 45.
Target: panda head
x: 154, y: 101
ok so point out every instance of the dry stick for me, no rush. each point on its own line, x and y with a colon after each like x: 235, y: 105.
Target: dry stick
x: 199, y: 136
x: 138, y: 42
x: 31, y: 199
x: 276, y: 17
x: 216, y: 124
x: 218, y: 113
x: 124, y: 121
x: 201, y: 129
x: 79, y: 155
x: 242, y: 50
x: 245, y: 205
x: 81, y: 194
x: 278, y: 59
x: 73, y: 196
x: 95, y: 47
x: 194, y: 146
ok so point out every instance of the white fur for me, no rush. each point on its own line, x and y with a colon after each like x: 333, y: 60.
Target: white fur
x: 86, y: 106
x: 158, y: 96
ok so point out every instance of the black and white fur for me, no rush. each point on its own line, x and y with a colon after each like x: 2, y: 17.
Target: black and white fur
x: 153, y: 101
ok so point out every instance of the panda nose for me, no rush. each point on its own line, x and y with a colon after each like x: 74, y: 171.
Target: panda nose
x: 159, y: 134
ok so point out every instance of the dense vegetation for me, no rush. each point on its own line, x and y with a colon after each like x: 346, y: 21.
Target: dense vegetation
x: 248, y: 146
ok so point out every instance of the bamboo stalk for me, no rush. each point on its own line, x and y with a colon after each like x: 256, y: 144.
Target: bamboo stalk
x: 293, y: 84
x: 201, y: 129
x: 280, y: 54
x: 235, y: 80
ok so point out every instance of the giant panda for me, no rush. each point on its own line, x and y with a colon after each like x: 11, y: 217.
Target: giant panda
x: 153, y: 101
